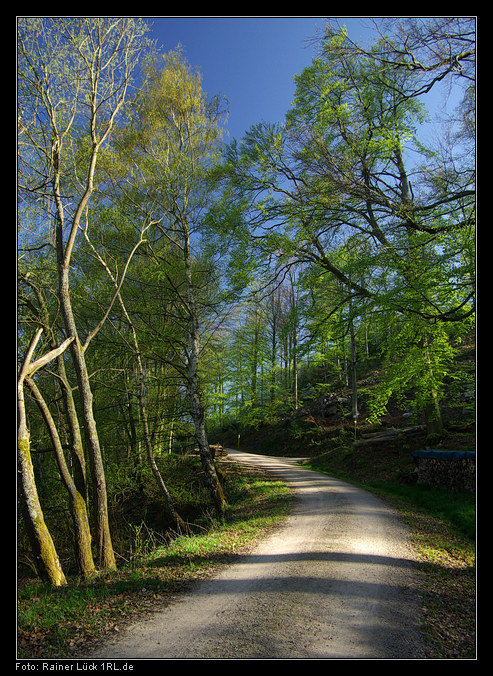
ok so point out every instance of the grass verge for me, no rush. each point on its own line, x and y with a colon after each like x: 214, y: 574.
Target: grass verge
x: 443, y: 535
x: 443, y: 528
x: 66, y: 622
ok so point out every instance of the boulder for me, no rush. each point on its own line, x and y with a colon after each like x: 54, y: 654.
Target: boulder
x: 332, y: 404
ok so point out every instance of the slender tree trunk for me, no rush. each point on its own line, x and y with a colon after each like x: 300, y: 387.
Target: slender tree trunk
x: 76, y: 445
x: 273, y: 356
x: 42, y: 542
x: 180, y: 525
x: 254, y: 366
x: 105, y: 553
x: 198, y: 417
x: 295, y: 369
x: 48, y: 563
x: 104, y: 547
x: 196, y: 406
x: 354, y: 378
x: 170, y: 438
x: 77, y: 502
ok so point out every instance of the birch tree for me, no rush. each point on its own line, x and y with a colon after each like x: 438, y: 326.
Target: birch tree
x: 73, y: 79
x: 174, y: 133
x: 42, y: 542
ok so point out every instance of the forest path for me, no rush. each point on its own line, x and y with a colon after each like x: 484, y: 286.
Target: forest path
x: 336, y: 581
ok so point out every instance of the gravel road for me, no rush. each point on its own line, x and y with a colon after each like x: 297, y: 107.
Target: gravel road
x: 337, y: 581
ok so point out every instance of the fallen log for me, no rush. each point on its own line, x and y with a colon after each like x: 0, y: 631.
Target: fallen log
x: 389, y: 434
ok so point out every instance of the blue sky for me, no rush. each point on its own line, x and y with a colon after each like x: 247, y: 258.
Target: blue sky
x: 251, y: 61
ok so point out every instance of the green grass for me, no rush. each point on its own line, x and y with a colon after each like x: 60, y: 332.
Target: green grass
x: 442, y: 526
x: 457, y: 509
x: 63, y: 622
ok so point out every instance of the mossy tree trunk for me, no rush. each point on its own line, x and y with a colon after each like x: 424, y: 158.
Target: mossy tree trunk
x: 77, y: 502
x: 104, y: 547
x: 48, y: 563
x: 42, y: 543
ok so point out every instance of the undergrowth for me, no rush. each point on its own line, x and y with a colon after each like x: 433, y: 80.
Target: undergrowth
x: 66, y: 622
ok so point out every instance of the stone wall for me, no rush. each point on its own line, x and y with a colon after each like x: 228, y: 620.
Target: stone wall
x: 452, y: 470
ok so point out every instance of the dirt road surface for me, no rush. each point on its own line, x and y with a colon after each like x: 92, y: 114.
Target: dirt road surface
x: 336, y: 581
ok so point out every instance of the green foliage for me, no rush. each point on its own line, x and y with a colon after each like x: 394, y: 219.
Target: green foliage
x: 294, y: 237
x: 418, y: 361
x: 331, y: 192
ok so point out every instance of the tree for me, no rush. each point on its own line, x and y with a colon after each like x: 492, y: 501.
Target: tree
x: 339, y: 172
x: 178, y: 522
x: 34, y: 287
x: 354, y: 114
x: 174, y: 132
x: 42, y: 542
x: 73, y: 79
x: 76, y: 485
x: 78, y: 506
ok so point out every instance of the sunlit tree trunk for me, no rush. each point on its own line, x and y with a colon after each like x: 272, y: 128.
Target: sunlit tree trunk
x: 41, y: 540
x: 77, y: 502
x: 106, y: 557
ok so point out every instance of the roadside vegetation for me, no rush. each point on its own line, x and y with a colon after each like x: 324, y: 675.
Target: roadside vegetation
x: 155, y: 563
x: 64, y: 622
x: 443, y: 528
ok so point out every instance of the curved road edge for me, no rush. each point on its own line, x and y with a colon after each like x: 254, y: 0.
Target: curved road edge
x: 335, y: 581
